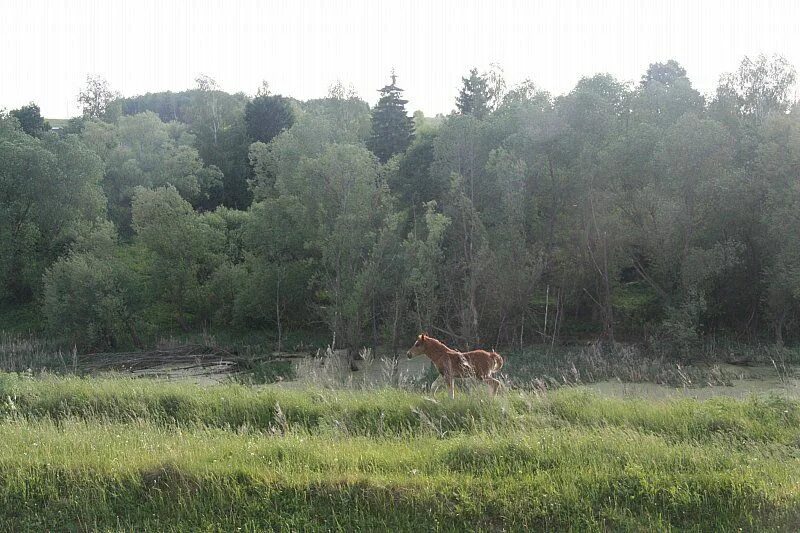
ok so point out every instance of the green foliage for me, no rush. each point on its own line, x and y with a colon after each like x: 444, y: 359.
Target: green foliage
x: 352, y: 202
x: 23, y: 319
x: 665, y: 94
x: 31, y: 120
x: 473, y: 99
x: 217, y: 120
x: 638, y: 209
x: 680, y: 332
x: 267, y: 116
x: 638, y: 303
x: 186, y: 249
x: 142, y: 151
x: 759, y: 87
x: 94, y: 296
x: 346, y: 119
x: 167, y: 105
x: 270, y: 371
x: 280, y: 266
x: 392, y: 129
x: 411, y: 178
x: 97, y: 98
x: 49, y: 190
x: 282, y: 166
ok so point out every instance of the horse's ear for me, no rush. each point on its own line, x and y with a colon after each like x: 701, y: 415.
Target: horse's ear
x: 422, y: 336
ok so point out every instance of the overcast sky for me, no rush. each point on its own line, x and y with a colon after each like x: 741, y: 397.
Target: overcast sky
x: 47, y: 47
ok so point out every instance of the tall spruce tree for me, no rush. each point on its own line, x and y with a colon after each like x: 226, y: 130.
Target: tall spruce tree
x: 473, y: 99
x: 392, y: 129
x: 266, y: 116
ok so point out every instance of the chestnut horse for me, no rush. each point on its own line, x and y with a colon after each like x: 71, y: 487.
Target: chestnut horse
x: 453, y: 364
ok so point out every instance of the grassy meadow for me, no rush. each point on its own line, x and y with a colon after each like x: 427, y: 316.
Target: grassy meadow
x: 132, y: 455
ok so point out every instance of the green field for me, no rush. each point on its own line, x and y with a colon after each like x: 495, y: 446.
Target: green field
x: 117, y: 454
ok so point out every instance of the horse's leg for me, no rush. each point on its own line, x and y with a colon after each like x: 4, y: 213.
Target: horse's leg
x: 493, y: 384
x: 436, y: 384
x: 451, y: 384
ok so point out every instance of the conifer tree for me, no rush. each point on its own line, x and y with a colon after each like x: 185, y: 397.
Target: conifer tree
x: 392, y: 129
x: 473, y: 99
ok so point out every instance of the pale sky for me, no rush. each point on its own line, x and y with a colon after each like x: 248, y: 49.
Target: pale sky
x: 48, y: 47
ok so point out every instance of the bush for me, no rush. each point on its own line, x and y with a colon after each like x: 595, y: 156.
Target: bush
x: 92, y: 300
x: 679, y: 333
x: 270, y: 371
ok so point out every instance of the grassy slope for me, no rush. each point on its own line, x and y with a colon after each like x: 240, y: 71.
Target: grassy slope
x: 134, y: 455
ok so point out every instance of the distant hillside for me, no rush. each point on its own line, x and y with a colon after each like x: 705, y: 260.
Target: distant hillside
x: 57, y: 122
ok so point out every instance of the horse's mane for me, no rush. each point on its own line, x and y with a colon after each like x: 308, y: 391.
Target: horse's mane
x: 439, y: 347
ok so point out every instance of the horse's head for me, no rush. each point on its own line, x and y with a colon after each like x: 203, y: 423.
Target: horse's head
x: 418, y: 348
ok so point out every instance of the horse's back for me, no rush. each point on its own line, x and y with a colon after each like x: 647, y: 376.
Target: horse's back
x: 484, y: 363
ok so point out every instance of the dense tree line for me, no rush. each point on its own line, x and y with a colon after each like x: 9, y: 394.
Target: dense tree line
x: 644, y: 212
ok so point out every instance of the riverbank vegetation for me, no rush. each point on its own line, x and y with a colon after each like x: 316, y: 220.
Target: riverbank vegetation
x: 641, y: 212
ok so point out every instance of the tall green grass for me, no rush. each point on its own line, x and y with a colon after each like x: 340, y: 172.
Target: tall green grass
x: 238, y: 407
x: 113, y: 454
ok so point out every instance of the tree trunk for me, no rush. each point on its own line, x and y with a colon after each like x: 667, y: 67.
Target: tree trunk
x: 278, y: 314
x: 779, y: 329
x: 473, y: 312
x: 395, y: 327
x: 395, y: 324
x: 374, y: 326
x: 182, y: 323
x: 137, y: 341
x: 608, y: 312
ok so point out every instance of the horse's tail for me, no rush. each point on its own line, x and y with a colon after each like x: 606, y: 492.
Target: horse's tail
x: 498, y: 361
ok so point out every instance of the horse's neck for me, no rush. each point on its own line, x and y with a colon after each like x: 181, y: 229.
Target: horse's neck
x: 440, y: 350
